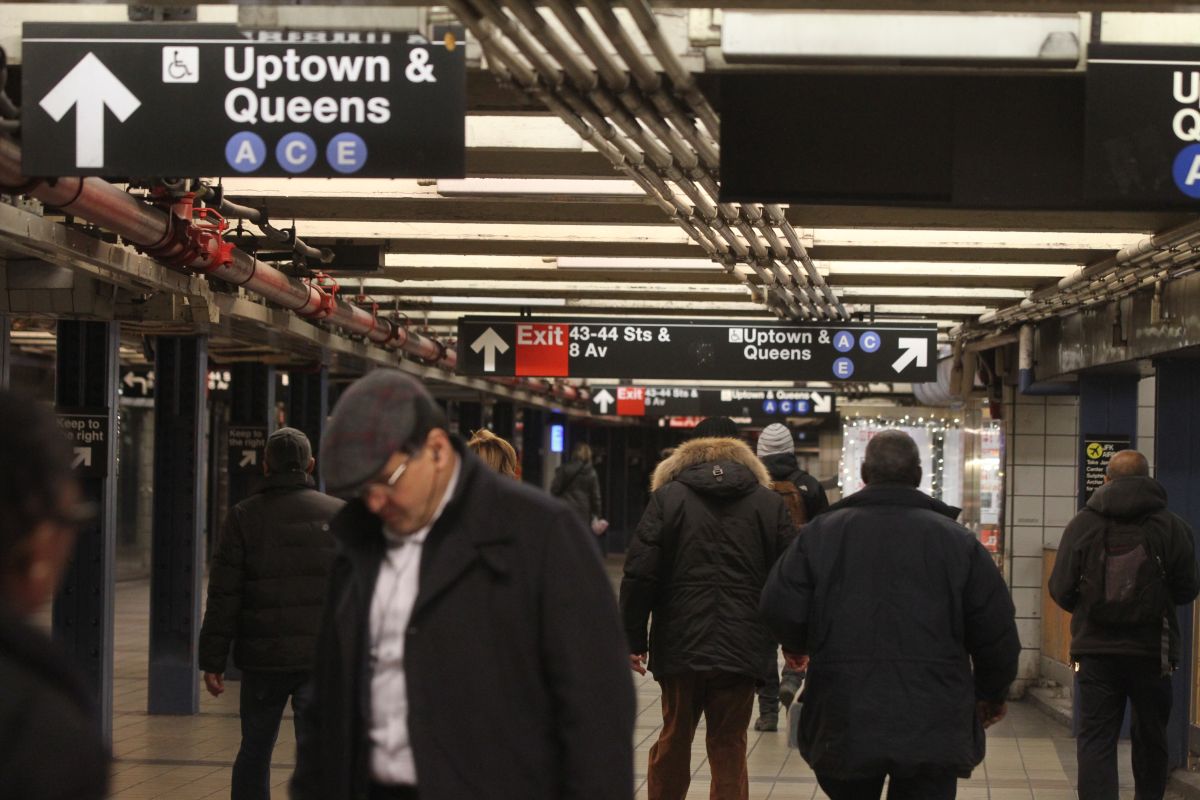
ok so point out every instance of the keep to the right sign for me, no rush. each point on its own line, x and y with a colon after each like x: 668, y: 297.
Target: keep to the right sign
x: 721, y: 350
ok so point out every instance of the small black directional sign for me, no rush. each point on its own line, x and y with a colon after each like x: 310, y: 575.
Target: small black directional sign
x: 87, y: 430
x: 198, y: 99
x: 707, y: 350
x: 684, y: 401
x: 1098, y: 450
x: 137, y: 382
x: 247, y: 448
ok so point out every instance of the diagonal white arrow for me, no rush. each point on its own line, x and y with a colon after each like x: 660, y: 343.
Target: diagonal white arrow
x: 604, y: 399
x: 915, y: 349
x: 249, y: 458
x: 821, y: 403
x: 489, y: 342
x: 89, y: 87
x: 83, y: 455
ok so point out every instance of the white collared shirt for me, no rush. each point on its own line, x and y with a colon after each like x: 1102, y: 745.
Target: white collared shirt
x: 391, y: 606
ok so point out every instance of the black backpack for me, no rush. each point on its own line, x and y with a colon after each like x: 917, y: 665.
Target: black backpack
x: 1124, y: 583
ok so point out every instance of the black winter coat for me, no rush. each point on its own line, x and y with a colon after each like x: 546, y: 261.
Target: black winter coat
x: 518, y: 682
x: 578, y: 485
x: 893, y: 601
x: 784, y: 467
x: 267, y: 584
x: 1170, y: 540
x: 50, y: 747
x: 702, y: 551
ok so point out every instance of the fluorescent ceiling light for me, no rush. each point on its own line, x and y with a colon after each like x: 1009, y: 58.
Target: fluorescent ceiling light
x: 883, y: 309
x: 473, y: 262
x: 848, y: 293
x: 327, y: 187
x: 1000, y: 240
x: 918, y: 37
x: 457, y: 231
x: 417, y: 287
x: 575, y: 187
x: 919, y: 268
x: 576, y: 262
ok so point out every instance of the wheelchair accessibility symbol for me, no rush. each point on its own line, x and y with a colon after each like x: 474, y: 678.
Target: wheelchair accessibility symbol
x: 1095, y: 450
x: 180, y: 64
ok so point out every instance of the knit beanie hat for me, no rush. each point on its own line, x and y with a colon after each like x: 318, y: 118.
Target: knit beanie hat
x: 715, y: 426
x: 775, y: 438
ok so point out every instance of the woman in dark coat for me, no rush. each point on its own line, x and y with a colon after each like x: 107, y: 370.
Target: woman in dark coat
x: 577, y: 484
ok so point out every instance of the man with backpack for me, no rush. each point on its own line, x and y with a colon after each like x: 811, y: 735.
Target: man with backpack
x: 1123, y: 565
x: 805, y: 498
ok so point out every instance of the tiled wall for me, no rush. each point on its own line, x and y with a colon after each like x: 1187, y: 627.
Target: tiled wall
x: 1041, y: 482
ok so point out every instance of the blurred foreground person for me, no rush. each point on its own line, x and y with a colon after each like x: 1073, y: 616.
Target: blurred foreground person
x: 697, y: 564
x: 894, y: 602
x: 470, y: 645
x: 495, y: 452
x: 266, y: 590
x: 50, y: 745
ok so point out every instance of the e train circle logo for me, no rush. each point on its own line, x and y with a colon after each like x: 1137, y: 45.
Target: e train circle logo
x: 296, y: 152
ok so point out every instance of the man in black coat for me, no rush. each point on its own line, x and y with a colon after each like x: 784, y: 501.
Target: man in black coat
x: 265, y: 594
x: 1125, y: 647
x: 50, y: 745
x: 894, y: 602
x: 469, y: 645
x: 701, y: 553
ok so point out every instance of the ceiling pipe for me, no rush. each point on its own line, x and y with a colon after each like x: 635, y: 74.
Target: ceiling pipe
x: 174, y: 240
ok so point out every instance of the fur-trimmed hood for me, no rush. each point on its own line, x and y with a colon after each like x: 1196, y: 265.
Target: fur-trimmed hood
x: 692, y: 463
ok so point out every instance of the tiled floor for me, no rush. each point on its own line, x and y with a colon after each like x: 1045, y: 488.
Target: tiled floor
x: 188, y: 758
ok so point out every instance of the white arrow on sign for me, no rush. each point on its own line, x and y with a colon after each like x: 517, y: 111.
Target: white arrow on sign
x: 604, y: 399
x: 821, y: 403
x: 490, y: 343
x: 83, y: 455
x: 249, y: 458
x: 915, y: 349
x: 132, y: 380
x: 89, y: 87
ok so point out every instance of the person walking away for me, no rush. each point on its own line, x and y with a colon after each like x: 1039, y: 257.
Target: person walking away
x: 577, y: 484
x: 910, y: 631
x: 805, y: 498
x: 697, y: 563
x: 50, y: 745
x: 470, y: 645
x: 265, y: 593
x: 1124, y: 563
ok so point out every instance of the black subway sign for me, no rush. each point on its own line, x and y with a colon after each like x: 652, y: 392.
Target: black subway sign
x: 685, y: 401
x: 198, y: 99
x: 87, y: 430
x: 708, y: 350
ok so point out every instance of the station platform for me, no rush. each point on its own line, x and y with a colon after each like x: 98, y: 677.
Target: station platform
x: 1030, y: 756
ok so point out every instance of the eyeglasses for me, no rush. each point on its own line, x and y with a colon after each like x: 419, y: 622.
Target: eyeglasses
x: 391, y: 480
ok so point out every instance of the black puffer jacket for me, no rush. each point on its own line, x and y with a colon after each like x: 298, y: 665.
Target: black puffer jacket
x: 894, y: 602
x: 268, y: 579
x: 1170, y: 539
x: 577, y: 484
x: 50, y: 746
x: 784, y: 467
x: 703, y: 548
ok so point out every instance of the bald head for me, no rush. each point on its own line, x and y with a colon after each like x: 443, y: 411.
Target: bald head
x: 1126, y: 464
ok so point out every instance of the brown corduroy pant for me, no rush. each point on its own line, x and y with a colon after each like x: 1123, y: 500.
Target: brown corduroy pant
x: 726, y: 700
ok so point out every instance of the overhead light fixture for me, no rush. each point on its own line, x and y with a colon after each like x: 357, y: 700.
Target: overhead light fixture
x: 574, y: 187
x: 919, y: 38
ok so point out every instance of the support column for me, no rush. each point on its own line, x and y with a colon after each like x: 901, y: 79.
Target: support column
x: 532, y: 446
x: 1108, y: 405
x: 181, y: 376
x: 85, y: 392
x: 504, y: 421
x: 251, y: 420
x: 1177, y: 452
x: 470, y: 417
x: 308, y: 397
x: 5, y: 351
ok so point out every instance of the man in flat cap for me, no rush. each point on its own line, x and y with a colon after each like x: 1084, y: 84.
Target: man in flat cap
x: 469, y: 645
x: 266, y: 590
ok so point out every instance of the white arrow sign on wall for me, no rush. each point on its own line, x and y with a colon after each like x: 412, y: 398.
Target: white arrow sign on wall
x: 89, y: 87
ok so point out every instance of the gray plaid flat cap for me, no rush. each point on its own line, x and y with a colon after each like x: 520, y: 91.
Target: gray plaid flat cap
x: 384, y: 412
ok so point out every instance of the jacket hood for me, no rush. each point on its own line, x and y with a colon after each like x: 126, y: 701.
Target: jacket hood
x: 573, y: 469
x: 895, y: 494
x: 693, y: 463
x: 781, y: 466
x: 1129, y: 497
x: 286, y: 480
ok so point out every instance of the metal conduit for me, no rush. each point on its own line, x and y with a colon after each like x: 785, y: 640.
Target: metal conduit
x: 488, y: 21
x: 1116, y: 276
x: 106, y: 205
